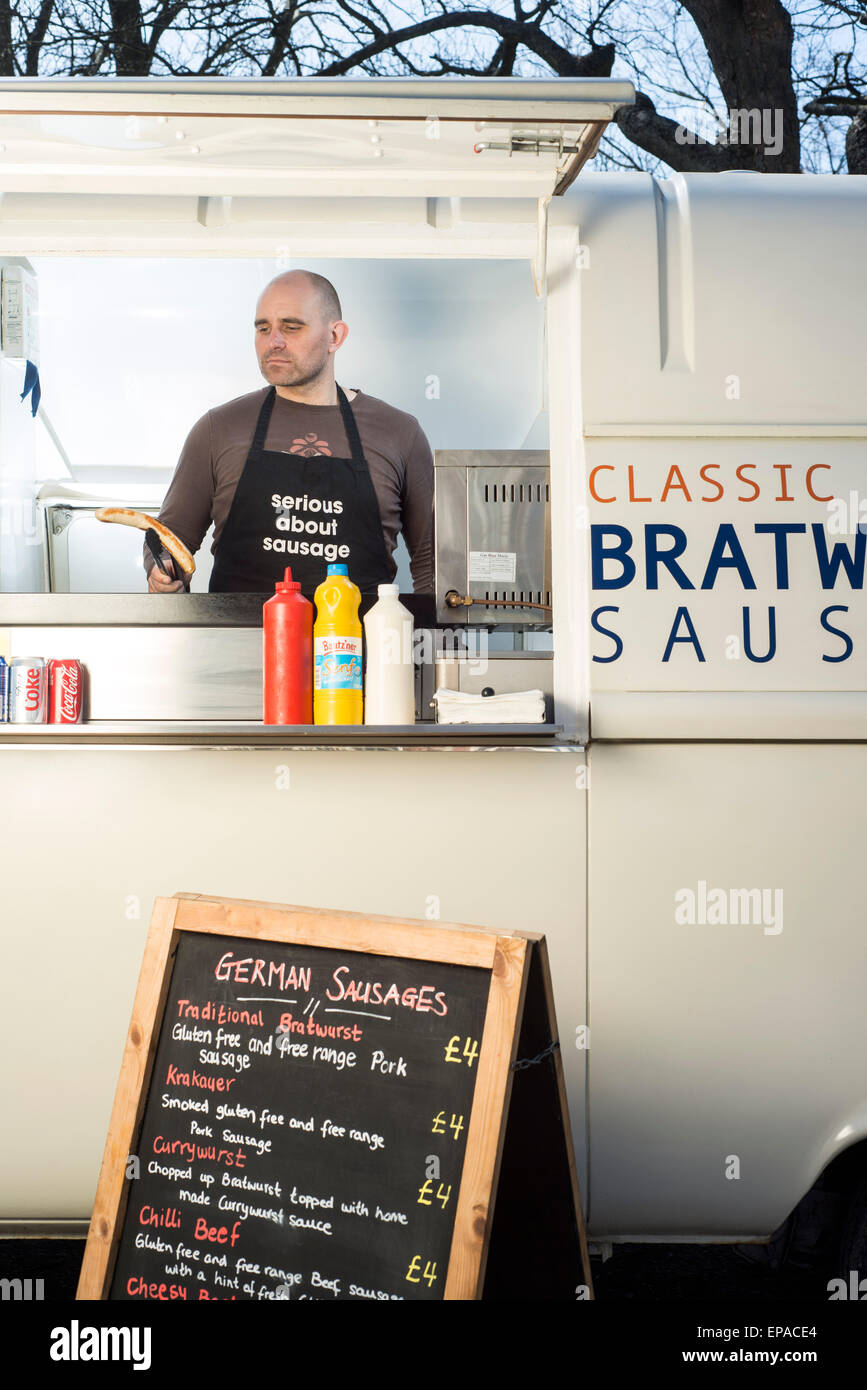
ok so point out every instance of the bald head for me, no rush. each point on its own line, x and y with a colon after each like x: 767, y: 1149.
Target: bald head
x: 298, y: 330
x: 323, y: 293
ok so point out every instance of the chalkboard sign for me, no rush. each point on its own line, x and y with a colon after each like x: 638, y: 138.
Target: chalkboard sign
x: 315, y: 1105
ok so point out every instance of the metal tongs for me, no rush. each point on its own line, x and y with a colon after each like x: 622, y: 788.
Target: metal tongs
x: 155, y: 546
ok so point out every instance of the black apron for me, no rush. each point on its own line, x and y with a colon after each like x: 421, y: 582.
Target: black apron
x: 303, y: 512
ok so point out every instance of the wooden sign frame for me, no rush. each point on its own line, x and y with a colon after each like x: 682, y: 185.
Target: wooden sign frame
x: 506, y: 954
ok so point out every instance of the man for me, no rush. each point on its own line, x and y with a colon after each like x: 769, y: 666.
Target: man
x: 302, y: 473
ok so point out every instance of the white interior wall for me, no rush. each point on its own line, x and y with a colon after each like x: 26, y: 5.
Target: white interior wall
x: 20, y: 534
x: 134, y: 351
x: 457, y: 344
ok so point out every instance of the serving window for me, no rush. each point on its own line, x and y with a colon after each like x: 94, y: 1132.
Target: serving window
x: 153, y: 215
x: 133, y: 351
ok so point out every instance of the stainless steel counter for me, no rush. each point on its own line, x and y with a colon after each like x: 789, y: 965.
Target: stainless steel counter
x: 161, y: 610
x: 241, y: 733
x: 185, y: 670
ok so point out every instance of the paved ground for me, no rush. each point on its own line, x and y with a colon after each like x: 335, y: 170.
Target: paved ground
x: 685, y: 1272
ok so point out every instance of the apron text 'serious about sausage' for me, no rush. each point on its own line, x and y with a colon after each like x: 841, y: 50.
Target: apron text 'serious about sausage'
x: 303, y: 512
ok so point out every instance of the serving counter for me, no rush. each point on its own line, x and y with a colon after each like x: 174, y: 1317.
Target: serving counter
x: 186, y: 669
x: 102, y: 818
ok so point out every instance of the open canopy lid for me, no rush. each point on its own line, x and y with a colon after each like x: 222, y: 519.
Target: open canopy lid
x: 438, y: 137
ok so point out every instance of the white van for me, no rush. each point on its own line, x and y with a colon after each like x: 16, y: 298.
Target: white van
x: 725, y: 466
x: 687, y: 830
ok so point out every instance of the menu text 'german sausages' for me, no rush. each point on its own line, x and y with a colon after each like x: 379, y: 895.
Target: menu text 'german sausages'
x: 304, y: 1132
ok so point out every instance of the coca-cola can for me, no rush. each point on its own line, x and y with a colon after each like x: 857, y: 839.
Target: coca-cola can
x: 28, y: 686
x: 66, y: 691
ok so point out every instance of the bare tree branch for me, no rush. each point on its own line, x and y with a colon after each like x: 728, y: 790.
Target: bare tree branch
x: 37, y: 37
x: 131, y: 56
x: 7, y: 47
x: 597, y: 63
x: 696, y: 64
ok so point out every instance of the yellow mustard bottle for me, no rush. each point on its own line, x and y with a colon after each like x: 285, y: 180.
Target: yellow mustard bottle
x: 337, y: 689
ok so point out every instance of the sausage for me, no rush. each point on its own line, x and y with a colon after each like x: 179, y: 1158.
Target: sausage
x: 127, y: 517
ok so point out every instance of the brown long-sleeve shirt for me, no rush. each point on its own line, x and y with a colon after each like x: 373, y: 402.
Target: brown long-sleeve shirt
x: 397, y: 453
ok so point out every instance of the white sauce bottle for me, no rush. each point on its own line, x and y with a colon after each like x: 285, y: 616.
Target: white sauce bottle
x: 389, y: 678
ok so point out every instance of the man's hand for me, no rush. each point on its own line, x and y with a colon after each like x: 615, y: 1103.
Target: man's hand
x: 158, y: 583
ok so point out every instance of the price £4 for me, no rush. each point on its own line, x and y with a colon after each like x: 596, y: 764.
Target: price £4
x: 454, y: 1053
x: 426, y: 1194
x: 415, y: 1273
x: 456, y: 1124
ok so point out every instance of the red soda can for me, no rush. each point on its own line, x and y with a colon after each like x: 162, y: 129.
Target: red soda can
x: 28, y: 686
x: 66, y: 691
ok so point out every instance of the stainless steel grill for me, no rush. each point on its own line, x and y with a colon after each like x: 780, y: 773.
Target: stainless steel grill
x: 493, y: 535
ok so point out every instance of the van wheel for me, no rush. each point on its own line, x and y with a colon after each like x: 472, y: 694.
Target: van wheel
x: 853, y: 1242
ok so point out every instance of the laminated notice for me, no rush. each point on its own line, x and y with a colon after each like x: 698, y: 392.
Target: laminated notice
x: 490, y: 566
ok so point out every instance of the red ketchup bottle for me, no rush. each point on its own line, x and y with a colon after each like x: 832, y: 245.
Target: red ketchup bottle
x: 287, y: 633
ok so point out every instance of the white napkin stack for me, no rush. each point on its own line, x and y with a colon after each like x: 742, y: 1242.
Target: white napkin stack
x: 517, y: 707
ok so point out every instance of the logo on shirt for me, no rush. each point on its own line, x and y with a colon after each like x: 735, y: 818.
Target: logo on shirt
x: 310, y: 446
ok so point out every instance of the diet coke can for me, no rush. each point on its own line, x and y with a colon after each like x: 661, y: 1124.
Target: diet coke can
x: 66, y: 692
x: 28, y: 687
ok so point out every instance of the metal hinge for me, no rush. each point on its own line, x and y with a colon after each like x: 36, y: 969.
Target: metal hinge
x: 529, y: 144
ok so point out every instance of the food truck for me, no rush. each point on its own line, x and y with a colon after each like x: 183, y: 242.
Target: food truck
x: 646, y: 401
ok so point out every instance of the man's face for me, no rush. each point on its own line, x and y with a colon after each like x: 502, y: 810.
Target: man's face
x: 293, y: 340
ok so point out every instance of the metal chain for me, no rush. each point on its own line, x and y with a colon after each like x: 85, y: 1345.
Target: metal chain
x: 532, y: 1061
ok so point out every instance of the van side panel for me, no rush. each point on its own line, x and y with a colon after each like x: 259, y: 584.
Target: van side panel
x: 727, y: 1057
